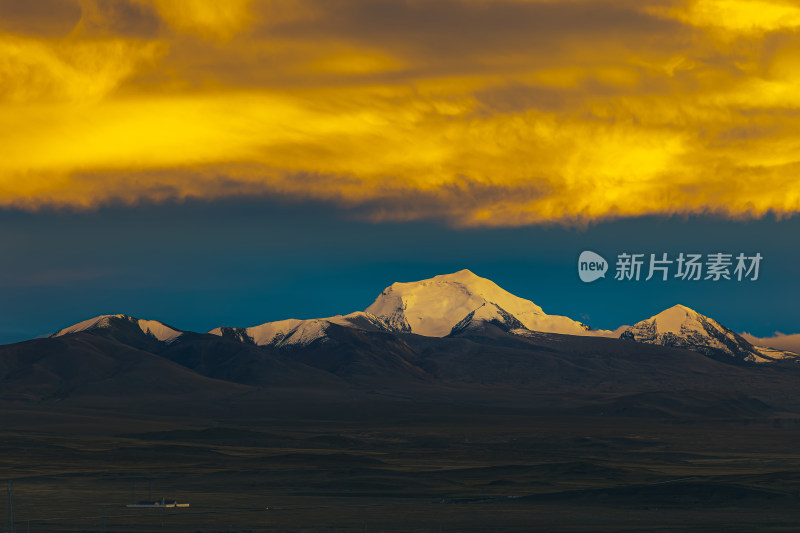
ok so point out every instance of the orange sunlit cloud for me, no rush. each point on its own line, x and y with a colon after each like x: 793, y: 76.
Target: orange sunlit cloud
x: 738, y: 16
x: 475, y: 112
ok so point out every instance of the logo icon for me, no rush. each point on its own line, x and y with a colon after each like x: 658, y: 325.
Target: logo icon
x: 591, y: 266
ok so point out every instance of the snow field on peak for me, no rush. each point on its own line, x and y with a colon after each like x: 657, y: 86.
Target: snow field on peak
x: 297, y: 332
x: 158, y: 330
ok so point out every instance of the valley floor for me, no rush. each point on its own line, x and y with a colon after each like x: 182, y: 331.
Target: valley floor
x: 388, y: 470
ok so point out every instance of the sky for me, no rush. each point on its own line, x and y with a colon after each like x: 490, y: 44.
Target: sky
x: 215, y: 163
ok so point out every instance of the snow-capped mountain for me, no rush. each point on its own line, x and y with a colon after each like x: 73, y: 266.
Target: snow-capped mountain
x: 151, y: 328
x: 682, y: 327
x: 433, y: 307
x: 298, y: 333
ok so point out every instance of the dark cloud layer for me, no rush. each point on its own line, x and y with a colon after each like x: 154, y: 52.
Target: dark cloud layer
x: 42, y: 17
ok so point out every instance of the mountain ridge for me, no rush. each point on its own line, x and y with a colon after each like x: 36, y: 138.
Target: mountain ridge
x: 447, y: 305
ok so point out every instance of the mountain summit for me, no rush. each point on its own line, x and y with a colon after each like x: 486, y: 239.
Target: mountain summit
x: 682, y: 327
x: 115, y: 324
x: 433, y: 307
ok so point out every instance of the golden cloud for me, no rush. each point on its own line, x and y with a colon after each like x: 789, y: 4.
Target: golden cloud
x: 737, y: 16
x: 206, y: 18
x: 478, y: 113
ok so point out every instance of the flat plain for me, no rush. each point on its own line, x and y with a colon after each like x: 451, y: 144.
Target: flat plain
x: 387, y: 466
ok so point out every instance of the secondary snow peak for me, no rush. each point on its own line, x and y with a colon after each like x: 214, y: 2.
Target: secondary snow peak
x: 682, y: 327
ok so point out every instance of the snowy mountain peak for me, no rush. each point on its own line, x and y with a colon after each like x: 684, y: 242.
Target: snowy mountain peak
x: 102, y: 321
x: 464, y: 276
x: 432, y: 307
x: 680, y: 308
x: 679, y: 318
x: 159, y: 330
x: 682, y: 327
x: 151, y: 328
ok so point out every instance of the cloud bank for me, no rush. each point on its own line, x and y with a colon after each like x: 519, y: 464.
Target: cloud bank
x: 779, y: 341
x: 476, y: 112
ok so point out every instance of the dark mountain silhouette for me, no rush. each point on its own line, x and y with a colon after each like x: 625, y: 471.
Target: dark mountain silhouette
x: 483, y: 362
